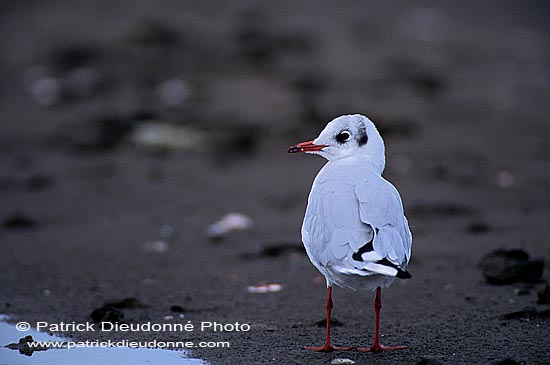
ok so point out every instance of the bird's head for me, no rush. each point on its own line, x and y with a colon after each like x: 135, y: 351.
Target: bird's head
x: 344, y: 137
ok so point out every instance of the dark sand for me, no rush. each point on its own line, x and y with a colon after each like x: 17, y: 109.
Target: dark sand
x: 460, y: 93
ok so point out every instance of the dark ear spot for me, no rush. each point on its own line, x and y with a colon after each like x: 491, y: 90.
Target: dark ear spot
x: 362, y: 137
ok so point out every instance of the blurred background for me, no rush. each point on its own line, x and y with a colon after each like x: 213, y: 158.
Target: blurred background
x: 130, y: 127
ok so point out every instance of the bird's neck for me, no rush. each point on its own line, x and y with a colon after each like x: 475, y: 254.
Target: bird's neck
x: 378, y: 164
x: 351, y: 163
x: 376, y: 153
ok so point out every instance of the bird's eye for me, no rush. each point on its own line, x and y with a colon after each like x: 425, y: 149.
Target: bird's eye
x: 343, y: 136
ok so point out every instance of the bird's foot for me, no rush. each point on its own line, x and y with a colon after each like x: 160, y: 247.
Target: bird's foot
x: 327, y: 348
x: 380, y: 348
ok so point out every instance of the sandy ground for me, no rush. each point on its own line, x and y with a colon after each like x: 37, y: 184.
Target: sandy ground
x: 459, y: 91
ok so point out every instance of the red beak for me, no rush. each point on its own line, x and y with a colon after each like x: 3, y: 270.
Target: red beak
x: 306, y: 147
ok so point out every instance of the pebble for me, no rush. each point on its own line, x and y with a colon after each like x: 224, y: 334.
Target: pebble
x: 510, y: 266
x: 46, y: 91
x: 342, y: 361
x: 505, y: 179
x: 19, y: 221
x: 157, y: 135
x: 522, y: 291
x: 156, y: 246
x: 173, y: 92
x: 107, y: 314
x: 264, y: 288
x: 230, y: 222
x: 166, y: 231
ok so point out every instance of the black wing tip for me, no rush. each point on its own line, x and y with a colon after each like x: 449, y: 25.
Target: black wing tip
x: 402, y: 274
x: 368, y: 247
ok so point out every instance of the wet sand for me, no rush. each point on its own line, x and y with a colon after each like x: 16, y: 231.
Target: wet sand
x: 459, y: 93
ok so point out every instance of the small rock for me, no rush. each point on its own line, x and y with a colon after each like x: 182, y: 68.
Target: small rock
x: 46, y: 91
x: 264, y: 288
x: 544, y: 295
x: 156, y: 246
x: 19, y: 221
x: 166, y: 231
x: 162, y: 136
x: 173, y: 92
x: 107, y: 314
x: 502, y: 267
x: 229, y: 222
x: 176, y: 308
x: 342, y: 361
x: 478, y: 228
x: 522, y: 291
x: 505, y: 179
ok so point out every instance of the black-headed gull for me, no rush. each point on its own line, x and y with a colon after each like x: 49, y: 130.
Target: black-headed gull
x: 354, y: 229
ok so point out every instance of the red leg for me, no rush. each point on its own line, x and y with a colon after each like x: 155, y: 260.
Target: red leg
x: 376, y: 346
x: 327, y: 347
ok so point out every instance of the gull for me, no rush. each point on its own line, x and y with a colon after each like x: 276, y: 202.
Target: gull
x: 354, y: 230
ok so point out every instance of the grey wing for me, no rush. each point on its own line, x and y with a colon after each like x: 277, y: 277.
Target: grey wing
x: 381, y: 208
x: 333, y: 231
